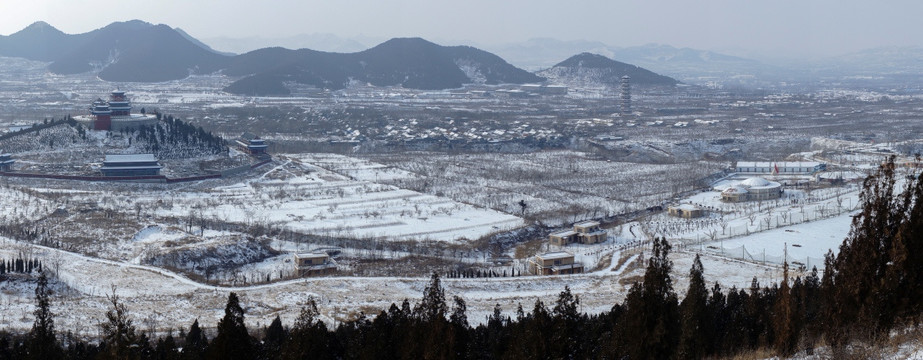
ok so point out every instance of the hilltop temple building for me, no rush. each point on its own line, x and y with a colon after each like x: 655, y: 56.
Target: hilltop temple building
x: 114, y: 115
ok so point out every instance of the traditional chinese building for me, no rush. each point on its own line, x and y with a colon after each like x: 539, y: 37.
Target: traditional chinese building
x: 251, y: 144
x: 114, y: 114
x: 130, y: 165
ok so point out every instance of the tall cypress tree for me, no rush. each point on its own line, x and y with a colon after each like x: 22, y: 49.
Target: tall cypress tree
x: 309, y: 338
x: 273, y: 339
x: 652, y: 311
x: 195, y: 343
x: 786, y: 333
x: 696, y: 322
x: 119, y: 335
x: 567, y: 337
x: 43, y: 344
x: 432, y: 329
x: 232, y: 341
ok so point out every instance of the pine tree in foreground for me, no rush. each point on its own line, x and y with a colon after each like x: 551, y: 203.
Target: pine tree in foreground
x: 43, y: 343
x: 695, y: 321
x: 120, y: 340
x: 232, y: 341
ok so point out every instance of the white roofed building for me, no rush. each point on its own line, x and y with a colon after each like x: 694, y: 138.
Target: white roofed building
x: 780, y: 167
x: 752, y: 189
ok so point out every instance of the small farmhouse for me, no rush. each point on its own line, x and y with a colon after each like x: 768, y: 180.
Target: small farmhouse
x: 554, y: 263
x: 311, y: 264
x: 587, y: 232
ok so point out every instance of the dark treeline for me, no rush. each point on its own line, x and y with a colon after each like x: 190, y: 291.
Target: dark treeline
x: 20, y: 265
x: 869, y: 289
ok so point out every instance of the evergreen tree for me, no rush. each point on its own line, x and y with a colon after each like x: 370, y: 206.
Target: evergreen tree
x: 309, y: 338
x: 166, y: 349
x: 195, y: 343
x: 652, y: 311
x: 865, y: 292
x: 786, y: 333
x: 119, y: 338
x: 43, y: 343
x: 567, y: 337
x: 459, y: 321
x: 696, y: 322
x: 433, y: 305
x: 232, y: 341
x: 273, y: 339
x: 435, y: 338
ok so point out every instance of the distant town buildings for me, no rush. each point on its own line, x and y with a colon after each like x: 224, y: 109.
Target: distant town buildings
x: 554, y: 263
x: 114, y: 114
x: 780, y: 167
x: 587, y: 232
x: 312, y: 264
x: 542, y: 89
x: 130, y: 165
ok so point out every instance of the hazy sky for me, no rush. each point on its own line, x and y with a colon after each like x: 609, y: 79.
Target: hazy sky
x: 801, y: 28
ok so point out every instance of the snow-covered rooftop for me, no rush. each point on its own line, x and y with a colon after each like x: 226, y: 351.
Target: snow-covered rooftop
x: 755, y: 181
x: 687, y: 207
x: 788, y: 164
x: 564, y: 233
x: 556, y: 255
x: 130, y: 158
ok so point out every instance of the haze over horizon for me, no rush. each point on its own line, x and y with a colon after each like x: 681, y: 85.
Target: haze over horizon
x: 786, y: 28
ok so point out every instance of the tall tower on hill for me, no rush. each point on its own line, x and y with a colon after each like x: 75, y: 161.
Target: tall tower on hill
x: 625, y: 95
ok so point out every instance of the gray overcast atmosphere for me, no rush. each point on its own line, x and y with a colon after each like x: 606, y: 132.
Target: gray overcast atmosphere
x: 780, y: 28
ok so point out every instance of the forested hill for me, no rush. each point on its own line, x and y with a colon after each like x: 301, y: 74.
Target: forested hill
x: 408, y: 62
x: 587, y: 68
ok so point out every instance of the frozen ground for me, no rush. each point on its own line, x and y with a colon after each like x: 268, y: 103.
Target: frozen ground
x: 168, y: 300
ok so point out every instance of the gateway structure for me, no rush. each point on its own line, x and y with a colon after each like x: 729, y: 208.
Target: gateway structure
x: 130, y: 165
x: 114, y: 114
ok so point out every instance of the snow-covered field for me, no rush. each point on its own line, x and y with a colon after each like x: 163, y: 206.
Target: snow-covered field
x: 169, y: 300
x: 336, y: 195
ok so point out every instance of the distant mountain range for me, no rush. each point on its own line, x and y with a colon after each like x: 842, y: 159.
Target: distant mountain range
x: 137, y: 51
x: 143, y: 52
x: 592, y: 69
x: 320, y: 42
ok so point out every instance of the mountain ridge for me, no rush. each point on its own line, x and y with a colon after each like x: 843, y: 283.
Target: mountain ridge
x: 596, y: 70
